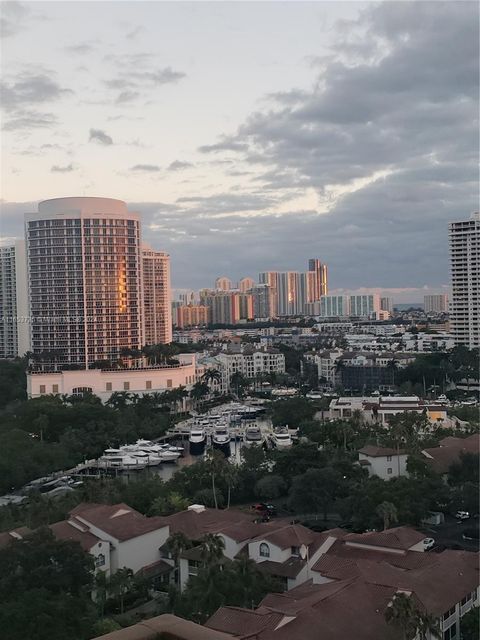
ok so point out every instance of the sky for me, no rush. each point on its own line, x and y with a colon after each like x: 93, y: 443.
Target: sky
x: 252, y: 136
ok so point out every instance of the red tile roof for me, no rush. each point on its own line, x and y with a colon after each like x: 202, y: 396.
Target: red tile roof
x: 243, y: 622
x: 380, y: 452
x: 65, y: 531
x: 442, y: 457
x: 195, y: 525
x: 118, y: 520
x: 401, y: 538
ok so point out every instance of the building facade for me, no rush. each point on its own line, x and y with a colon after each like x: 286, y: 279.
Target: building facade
x: 157, y: 308
x: 192, y: 316
x: 223, y: 284
x: 465, y: 270
x: 14, y: 324
x: 435, y: 303
x: 85, y: 282
x: 321, y: 278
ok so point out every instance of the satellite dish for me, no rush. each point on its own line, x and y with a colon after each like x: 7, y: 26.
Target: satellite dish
x: 303, y: 552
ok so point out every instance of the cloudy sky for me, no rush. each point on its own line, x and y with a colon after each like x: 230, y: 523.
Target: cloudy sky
x: 252, y: 135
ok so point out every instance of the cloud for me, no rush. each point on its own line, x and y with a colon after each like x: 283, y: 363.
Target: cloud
x: 80, y: 49
x: 97, y: 135
x: 127, y: 96
x: 67, y: 169
x: 30, y: 89
x: 24, y: 120
x: 13, y: 18
x: 178, y: 165
x: 135, y: 32
x: 145, y: 167
x: 227, y: 144
x: 140, y: 71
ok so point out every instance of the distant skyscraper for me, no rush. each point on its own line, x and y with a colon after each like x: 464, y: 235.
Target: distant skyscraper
x: 308, y: 289
x: 289, y: 294
x: 435, y: 303
x: 366, y: 306
x: 84, y: 271
x: 264, y: 301
x: 321, y: 278
x: 334, y: 306
x: 157, y: 308
x: 245, y: 284
x: 465, y: 269
x: 14, y: 324
x: 271, y: 279
x: 223, y: 284
x: 386, y: 304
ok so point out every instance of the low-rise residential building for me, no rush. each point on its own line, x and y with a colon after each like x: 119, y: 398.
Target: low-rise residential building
x: 449, y: 451
x: 353, y: 583
x: 251, y: 363
x: 381, y: 408
x: 383, y: 462
x: 104, y: 382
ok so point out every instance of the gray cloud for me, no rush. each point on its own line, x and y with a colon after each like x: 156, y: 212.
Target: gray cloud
x: 227, y: 144
x: 149, y: 168
x: 97, y: 135
x: 13, y: 18
x: 24, y: 120
x: 58, y: 169
x: 127, y: 96
x: 81, y: 48
x: 178, y: 165
x: 30, y: 89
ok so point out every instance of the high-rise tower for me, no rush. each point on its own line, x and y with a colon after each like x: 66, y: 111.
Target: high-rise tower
x: 321, y: 277
x: 84, y: 271
x: 156, y: 296
x: 465, y: 269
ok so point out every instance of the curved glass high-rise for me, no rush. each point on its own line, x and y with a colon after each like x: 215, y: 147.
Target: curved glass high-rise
x: 85, y: 279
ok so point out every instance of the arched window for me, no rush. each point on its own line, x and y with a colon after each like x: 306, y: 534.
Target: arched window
x: 78, y: 391
x: 264, y: 550
x: 100, y: 560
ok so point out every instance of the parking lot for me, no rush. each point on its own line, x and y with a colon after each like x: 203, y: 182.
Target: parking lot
x: 450, y: 533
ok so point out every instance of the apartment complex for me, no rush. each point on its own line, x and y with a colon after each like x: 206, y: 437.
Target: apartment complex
x: 251, y: 363
x: 435, y: 303
x: 14, y: 321
x: 321, y: 278
x: 157, y: 310
x: 192, y: 315
x: 465, y: 270
x: 228, y: 307
x: 85, y: 288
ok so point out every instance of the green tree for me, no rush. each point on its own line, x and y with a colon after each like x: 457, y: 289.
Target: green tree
x: 402, y: 613
x: 120, y: 584
x: 315, y: 491
x: 470, y: 625
x: 270, y: 487
x: 388, y: 512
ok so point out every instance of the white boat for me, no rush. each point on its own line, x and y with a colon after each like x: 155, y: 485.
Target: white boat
x: 116, y: 459
x: 150, y: 458
x: 253, y: 435
x: 282, y: 439
x: 168, y: 456
x: 221, y: 436
x: 197, y: 435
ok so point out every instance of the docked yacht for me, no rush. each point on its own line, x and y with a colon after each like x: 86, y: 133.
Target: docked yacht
x: 253, y: 435
x: 221, y: 439
x: 118, y: 459
x: 164, y: 452
x: 197, y: 439
x: 150, y: 458
x: 282, y: 439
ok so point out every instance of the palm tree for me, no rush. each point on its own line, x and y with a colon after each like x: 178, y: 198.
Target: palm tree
x: 392, y: 365
x: 402, y: 613
x: 215, y: 461
x: 212, y: 375
x: 212, y: 549
x: 177, y: 543
x: 119, y: 399
x: 120, y: 584
x: 387, y: 511
x: 199, y: 391
x: 428, y: 626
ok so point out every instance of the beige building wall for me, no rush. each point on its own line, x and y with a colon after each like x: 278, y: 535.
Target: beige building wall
x: 157, y: 307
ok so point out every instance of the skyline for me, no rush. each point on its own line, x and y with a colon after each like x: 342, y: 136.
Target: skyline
x: 368, y: 149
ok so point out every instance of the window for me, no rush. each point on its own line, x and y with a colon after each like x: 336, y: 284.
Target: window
x: 108, y: 386
x: 264, y: 550
x: 449, y: 613
x: 42, y: 388
x: 450, y: 633
x: 193, y: 566
x: 100, y: 560
x: 389, y: 471
x: 295, y: 551
x: 389, y: 458
x: 54, y: 388
x: 126, y: 386
x: 169, y: 383
x: 148, y: 384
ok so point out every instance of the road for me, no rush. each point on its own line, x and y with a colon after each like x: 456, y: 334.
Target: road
x: 450, y: 533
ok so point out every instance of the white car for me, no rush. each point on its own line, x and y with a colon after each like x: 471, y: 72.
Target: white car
x: 428, y: 543
x: 462, y: 515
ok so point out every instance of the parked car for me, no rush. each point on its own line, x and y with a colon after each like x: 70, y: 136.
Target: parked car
x: 471, y: 534
x: 261, y: 507
x: 428, y: 543
x: 462, y: 515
